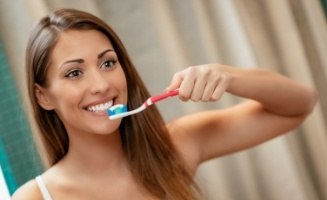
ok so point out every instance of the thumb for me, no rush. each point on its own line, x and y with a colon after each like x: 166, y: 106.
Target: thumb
x: 175, y: 82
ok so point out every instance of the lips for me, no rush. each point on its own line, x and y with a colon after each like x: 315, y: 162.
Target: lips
x: 100, y: 107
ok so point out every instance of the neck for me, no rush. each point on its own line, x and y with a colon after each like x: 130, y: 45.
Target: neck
x: 95, y: 154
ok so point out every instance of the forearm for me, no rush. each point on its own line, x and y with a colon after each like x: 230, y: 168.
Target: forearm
x: 276, y: 93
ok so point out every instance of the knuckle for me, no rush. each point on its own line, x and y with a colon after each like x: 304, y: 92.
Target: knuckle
x: 191, y: 71
x: 196, y: 98
x: 183, y: 99
x: 176, y: 76
x: 205, y: 99
x: 216, y: 79
x: 215, y: 98
x: 184, y: 95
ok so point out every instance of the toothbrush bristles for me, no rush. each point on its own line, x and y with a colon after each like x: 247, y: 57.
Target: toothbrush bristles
x: 125, y: 114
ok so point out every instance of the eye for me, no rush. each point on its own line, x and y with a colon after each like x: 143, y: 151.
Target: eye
x: 108, y: 64
x: 73, y: 74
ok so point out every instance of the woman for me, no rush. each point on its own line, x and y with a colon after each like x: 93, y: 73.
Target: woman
x: 77, y: 68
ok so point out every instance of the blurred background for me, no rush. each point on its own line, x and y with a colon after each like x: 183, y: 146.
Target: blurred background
x: 162, y: 37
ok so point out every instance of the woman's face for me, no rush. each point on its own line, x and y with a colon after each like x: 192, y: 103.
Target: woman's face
x: 84, y: 79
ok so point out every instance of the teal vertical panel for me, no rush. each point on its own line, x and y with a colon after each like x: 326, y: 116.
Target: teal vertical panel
x: 14, y: 130
x: 8, y: 174
x: 324, y: 5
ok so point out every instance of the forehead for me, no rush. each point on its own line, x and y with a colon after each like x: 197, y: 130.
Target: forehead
x: 79, y: 43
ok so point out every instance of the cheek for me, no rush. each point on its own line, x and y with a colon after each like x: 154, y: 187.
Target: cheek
x: 124, y: 87
x: 66, y: 105
x: 121, y: 79
x: 65, y: 95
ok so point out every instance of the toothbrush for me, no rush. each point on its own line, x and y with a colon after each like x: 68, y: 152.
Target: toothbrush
x: 120, y: 110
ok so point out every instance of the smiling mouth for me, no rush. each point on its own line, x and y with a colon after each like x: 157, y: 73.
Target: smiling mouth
x: 100, y: 107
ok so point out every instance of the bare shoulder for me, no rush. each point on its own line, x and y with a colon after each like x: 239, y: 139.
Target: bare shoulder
x: 28, y: 191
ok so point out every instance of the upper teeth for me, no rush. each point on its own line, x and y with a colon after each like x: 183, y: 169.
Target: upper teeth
x: 100, y: 107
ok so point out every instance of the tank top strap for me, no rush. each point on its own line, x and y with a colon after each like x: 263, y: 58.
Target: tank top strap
x: 44, y: 191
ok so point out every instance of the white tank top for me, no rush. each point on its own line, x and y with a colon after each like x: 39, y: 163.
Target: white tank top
x: 44, y: 191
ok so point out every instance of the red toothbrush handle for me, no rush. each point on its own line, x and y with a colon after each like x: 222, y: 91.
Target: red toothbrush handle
x: 164, y: 96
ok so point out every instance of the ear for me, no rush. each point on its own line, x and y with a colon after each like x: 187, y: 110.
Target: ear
x: 42, y: 97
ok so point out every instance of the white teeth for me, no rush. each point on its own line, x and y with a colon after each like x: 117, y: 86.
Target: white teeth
x: 100, y: 107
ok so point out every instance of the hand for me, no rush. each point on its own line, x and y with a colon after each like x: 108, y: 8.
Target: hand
x: 201, y: 83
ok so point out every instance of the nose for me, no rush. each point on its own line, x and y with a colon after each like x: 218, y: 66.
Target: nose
x: 98, y: 82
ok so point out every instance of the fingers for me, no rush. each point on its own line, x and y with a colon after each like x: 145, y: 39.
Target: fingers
x: 212, y: 89
x: 209, y: 89
x: 221, y: 87
x: 186, y: 88
x: 175, y: 83
x: 201, y: 83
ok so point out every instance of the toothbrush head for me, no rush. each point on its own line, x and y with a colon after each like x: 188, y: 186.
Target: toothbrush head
x: 117, y: 109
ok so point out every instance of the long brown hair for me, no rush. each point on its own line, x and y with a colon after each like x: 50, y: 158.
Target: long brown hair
x: 152, y: 157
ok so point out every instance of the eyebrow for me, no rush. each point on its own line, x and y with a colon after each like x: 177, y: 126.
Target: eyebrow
x: 80, y: 60
x: 104, y: 52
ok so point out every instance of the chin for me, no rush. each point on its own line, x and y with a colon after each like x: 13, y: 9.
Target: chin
x: 107, y: 128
